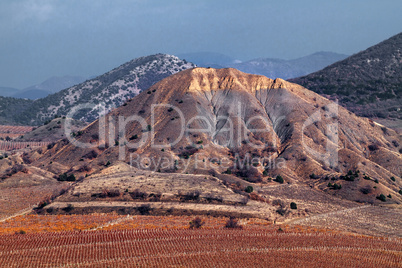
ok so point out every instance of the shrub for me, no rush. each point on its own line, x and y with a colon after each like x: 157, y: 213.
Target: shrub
x: 293, y: 205
x: 50, y: 145
x: 232, y: 223
x: 90, y: 155
x: 66, y: 177
x: 155, y: 197
x: 144, y: 209
x: 337, y: 186
x: 314, y: 177
x: 84, y: 168
x: 250, y: 173
x: 400, y: 192
x: 95, y: 136
x: 279, y: 179
x: 194, y: 196
x: 113, y: 193
x: 68, y: 208
x: 26, y: 159
x: 249, y: 189
x: 228, y: 171
x: 196, y: 223
x: 15, y: 169
x: 382, y: 198
x: 281, y: 211
x: 389, y: 196
x: 189, y: 151
x: 134, y: 137
x: 392, y: 178
x: 278, y: 202
x: 137, y: 194
x: 395, y: 143
x: 366, y: 190
x: 373, y: 147
x: 43, y: 203
x: 108, y: 193
x: 334, y: 186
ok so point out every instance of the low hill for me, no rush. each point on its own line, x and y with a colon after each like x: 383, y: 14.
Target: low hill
x: 51, y: 131
x: 47, y: 87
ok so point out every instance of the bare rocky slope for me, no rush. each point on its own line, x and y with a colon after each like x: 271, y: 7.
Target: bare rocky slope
x: 217, y: 121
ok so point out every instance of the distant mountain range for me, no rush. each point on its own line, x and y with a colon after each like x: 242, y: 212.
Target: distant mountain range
x: 47, y: 87
x: 8, y: 91
x: 272, y: 68
x: 285, y: 69
x: 209, y: 59
x: 106, y: 91
x: 50, y: 86
x: 368, y: 83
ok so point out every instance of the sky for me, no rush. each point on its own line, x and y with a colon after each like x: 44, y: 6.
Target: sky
x: 44, y: 38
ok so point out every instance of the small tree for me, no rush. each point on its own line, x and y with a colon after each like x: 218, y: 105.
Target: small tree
x: 196, y: 223
x: 21, y: 232
x: 293, y: 205
x: 66, y: 177
x: 249, y: 189
x: 279, y: 179
x: 144, y: 209
x: 134, y: 137
x: 382, y: 198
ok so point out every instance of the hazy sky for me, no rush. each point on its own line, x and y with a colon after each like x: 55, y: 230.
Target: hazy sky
x: 44, y: 38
